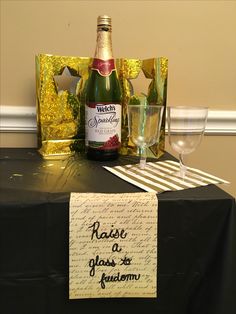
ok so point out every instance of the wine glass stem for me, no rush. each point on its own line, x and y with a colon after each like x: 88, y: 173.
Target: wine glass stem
x: 143, y: 157
x: 182, y: 168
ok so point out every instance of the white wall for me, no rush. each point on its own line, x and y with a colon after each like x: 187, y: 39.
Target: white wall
x: 198, y: 37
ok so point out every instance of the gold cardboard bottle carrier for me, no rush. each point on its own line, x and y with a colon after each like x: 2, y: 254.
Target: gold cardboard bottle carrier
x: 60, y: 89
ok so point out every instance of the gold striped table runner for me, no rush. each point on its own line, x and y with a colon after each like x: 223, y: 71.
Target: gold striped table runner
x: 158, y: 176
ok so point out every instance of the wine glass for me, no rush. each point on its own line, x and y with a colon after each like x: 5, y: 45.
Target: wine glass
x: 186, y: 126
x: 144, y: 123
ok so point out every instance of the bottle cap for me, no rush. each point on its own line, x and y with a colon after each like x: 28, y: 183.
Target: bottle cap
x: 104, y: 20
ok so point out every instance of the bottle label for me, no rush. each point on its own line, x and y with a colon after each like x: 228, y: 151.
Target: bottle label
x: 104, y: 67
x: 103, y: 125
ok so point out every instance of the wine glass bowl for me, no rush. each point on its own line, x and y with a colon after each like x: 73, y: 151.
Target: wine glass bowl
x: 186, y: 126
x: 144, y: 122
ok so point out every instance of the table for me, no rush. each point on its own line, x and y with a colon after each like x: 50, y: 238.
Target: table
x: 197, y: 240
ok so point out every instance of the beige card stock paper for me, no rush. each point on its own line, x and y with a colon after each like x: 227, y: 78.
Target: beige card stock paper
x: 113, y: 245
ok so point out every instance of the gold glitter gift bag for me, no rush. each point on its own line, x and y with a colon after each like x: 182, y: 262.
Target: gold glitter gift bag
x: 155, y: 69
x: 60, y: 86
x: 60, y: 91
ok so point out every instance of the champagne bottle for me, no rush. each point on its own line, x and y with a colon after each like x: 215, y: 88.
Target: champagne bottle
x: 103, y: 99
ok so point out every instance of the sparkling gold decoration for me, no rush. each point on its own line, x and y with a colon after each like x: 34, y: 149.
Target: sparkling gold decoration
x: 155, y: 69
x: 60, y: 104
x: 61, y: 87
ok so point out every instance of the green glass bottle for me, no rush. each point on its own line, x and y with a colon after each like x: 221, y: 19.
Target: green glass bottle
x: 103, y: 99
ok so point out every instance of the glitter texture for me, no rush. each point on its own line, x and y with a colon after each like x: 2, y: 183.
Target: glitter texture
x: 60, y: 114
x: 155, y: 69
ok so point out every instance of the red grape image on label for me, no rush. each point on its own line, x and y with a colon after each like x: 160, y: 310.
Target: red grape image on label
x: 113, y: 142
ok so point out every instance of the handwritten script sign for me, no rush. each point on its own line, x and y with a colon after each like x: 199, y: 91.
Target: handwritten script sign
x: 113, y: 245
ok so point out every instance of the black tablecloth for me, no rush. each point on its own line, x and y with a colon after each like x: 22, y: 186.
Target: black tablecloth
x: 196, y: 248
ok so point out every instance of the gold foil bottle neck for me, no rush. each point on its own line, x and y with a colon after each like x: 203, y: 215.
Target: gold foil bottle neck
x: 104, y: 43
x: 104, y: 20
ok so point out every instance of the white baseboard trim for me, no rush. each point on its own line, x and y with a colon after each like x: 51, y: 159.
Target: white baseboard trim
x: 22, y: 119
x: 18, y: 119
x: 221, y: 122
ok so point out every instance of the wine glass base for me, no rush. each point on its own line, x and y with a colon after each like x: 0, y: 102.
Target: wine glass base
x: 187, y: 176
